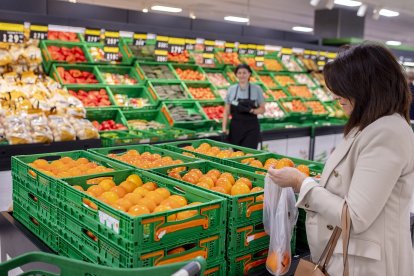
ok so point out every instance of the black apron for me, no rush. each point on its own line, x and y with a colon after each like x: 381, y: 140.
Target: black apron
x: 244, y: 126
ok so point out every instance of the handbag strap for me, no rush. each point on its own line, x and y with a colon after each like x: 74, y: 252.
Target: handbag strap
x: 346, y: 228
x: 328, y: 251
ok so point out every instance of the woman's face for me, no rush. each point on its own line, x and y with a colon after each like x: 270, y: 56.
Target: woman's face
x: 346, y: 104
x: 243, y: 75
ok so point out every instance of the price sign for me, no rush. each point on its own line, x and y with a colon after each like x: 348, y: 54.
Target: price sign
x: 111, y: 53
x: 307, y: 54
x: 259, y: 61
x: 208, y: 58
x: 38, y: 32
x: 229, y: 47
x: 314, y: 55
x: 92, y: 35
x: 190, y: 44
x: 251, y: 49
x: 176, y: 45
x: 11, y: 33
x: 111, y: 38
x: 209, y: 46
x: 242, y: 49
x: 260, y: 50
x: 162, y: 43
x: 140, y: 39
x: 322, y: 56
x: 161, y: 55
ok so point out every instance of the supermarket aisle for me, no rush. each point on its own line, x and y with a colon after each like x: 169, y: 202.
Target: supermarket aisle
x: 5, y: 190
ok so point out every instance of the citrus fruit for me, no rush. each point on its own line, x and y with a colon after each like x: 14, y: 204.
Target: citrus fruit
x: 176, y: 250
x: 128, y: 186
x: 204, y: 185
x: 164, y: 192
x: 226, y: 185
x: 278, y: 264
x: 163, y: 208
x: 256, y: 164
x: 150, y: 186
x: 133, y: 198
x: 141, y: 191
x: 135, y: 179
x: 215, y: 172
x: 124, y: 203
x: 245, y: 181
x: 106, y: 184
x: 256, y: 189
x: 219, y: 189
x: 137, y: 210
x: 196, y: 171
x: 180, y: 199
x: 119, y: 190
x: 154, y: 196
x: 240, y: 189
x: 79, y: 188
x: 174, y: 174
x: 96, y: 190
x: 119, y: 207
x: 149, y: 203
x: 171, y: 203
x: 190, y: 178
x: 222, y: 180
x: 206, y: 179
x: 304, y: 169
x: 111, y: 197
x: 186, y: 214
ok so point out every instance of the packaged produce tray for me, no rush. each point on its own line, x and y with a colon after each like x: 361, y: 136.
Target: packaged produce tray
x: 75, y: 70
x: 186, y: 114
x: 160, y: 115
x: 133, y: 97
x: 97, y: 55
x: 107, y: 114
x: 242, y: 208
x: 118, y: 75
x: 155, y: 71
x: 171, y: 90
x: 150, y: 231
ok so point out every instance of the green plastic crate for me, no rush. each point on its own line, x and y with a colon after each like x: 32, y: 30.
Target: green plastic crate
x: 197, y: 56
x: 120, y: 150
x: 134, y: 92
x: 248, y: 263
x: 147, y: 231
x: 120, y: 138
x: 312, y: 83
x: 274, y: 85
x: 131, y: 71
x: 284, y: 75
x: 241, y: 208
x: 143, y: 76
x: 44, y: 185
x: 170, y: 134
x: 206, y: 84
x: 76, y: 265
x: 160, y: 115
x: 193, y: 67
x: 153, y: 85
x: 318, y: 116
x: 220, y: 60
x: 77, y: 87
x: 273, y: 119
x: 42, y: 230
x: 244, y: 238
x: 292, y: 59
x: 192, y: 107
x: 47, y: 57
x: 216, y: 268
x: 311, y: 96
x: 296, y: 116
x: 146, y: 52
x: 267, y: 68
x: 123, y: 58
x: 213, y: 103
x: 104, y: 114
x: 181, y: 133
x: 217, y: 71
x: 88, y: 68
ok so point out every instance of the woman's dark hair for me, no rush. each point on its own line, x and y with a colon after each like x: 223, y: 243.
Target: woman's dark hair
x: 243, y: 66
x: 370, y: 76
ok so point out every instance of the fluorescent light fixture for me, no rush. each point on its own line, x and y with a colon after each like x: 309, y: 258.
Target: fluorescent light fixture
x: 362, y: 10
x: 314, y: 2
x: 348, y: 3
x: 236, y: 19
x: 166, y: 9
x: 145, y: 10
x: 192, y: 15
x: 393, y: 43
x: 72, y: 1
x: 302, y: 29
x: 388, y: 13
x: 408, y: 63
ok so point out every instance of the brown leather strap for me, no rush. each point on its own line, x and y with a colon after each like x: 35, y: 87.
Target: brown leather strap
x: 327, y: 252
x: 346, y: 228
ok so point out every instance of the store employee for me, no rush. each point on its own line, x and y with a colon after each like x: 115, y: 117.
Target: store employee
x: 244, y: 101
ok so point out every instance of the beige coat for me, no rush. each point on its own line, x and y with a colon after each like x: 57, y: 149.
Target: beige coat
x: 373, y: 170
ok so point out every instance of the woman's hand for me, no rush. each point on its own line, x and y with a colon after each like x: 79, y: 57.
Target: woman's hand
x: 287, y: 177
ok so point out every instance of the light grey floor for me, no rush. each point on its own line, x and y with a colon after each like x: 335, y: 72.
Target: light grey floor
x: 5, y: 190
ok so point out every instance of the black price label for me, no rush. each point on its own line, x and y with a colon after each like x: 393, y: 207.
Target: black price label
x: 259, y: 61
x: 209, y: 46
x: 93, y: 35
x: 161, y: 55
x: 111, y: 53
x: 208, y: 59
x: 38, y: 32
x: 242, y: 51
x: 11, y: 37
x: 176, y: 45
x: 162, y: 43
x: 228, y: 47
x: 189, y: 47
x: 140, y: 39
x: 161, y: 58
x: 260, y: 52
x: 111, y: 38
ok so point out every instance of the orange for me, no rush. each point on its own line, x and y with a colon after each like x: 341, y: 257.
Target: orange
x: 135, y: 179
x: 138, y: 210
x: 215, y: 172
x: 175, y: 175
x: 132, y: 152
x: 128, y: 186
x: 190, y: 179
x: 150, y: 186
x: 149, y: 203
x: 163, y: 208
x: 190, y: 148
x: 271, y: 161
x: 206, y: 179
x: 79, y: 188
x: 237, y: 154
x: 196, y: 171
x: 247, y: 160
x: 229, y: 176
x: 124, y: 203
x: 171, y: 203
x: 245, y: 181
x: 133, y: 197
x: 219, y: 189
x: 119, y: 190
x: 278, y: 264
x: 226, y: 185
x: 119, y: 207
x: 96, y: 190
x: 240, y: 189
x: 82, y: 161
x: 186, y: 214
x: 304, y: 169
x: 256, y: 189
x: 163, y: 192
x: 204, y: 185
x: 106, y: 184
x: 180, y: 199
x: 154, y: 196
x: 110, y: 197
x: 284, y: 162
x: 141, y: 191
x: 256, y: 164
x: 223, y: 180
x: 176, y: 250
x: 259, y: 198
x: 41, y: 163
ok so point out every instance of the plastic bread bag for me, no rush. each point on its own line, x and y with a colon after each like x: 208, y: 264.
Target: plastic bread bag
x: 61, y: 128
x: 84, y: 129
x: 40, y: 130
x: 5, y: 57
x: 279, y: 219
x: 32, y: 54
x: 17, y: 129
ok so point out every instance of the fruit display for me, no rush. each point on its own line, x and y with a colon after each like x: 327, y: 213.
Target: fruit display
x: 268, y: 81
x: 158, y: 72
x: 183, y: 57
x: 335, y: 110
x: 273, y: 65
x: 146, y: 51
x: 75, y: 76
x: 98, y: 55
x: 217, y: 79
x: 272, y: 110
x: 190, y: 75
x: 125, y: 100
x: 291, y: 64
x: 68, y: 167
x: 323, y: 94
x: 66, y: 54
x: 275, y: 163
x: 319, y: 77
x: 182, y: 114
x: 201, y: 93
x: 145, y: 160
x: 300, y: 91
x: 295, y: 106
x: 20, y: 58
x: 214, y: 112
x: 277, y: 94
x: 222, y: 93
x: 309, y: 64
x: 170, y: 92
x: 108, y: 125
x: 316, y: 106
x: 145, y: 125
x: 304, y: 79
x: 199, y: 60
x: 251, y: 61
x: 64, y: 36
x: 118, y: 79
x: 92, y: 98
x: 229, y: 58
x: 285, y: 80
x: 207, y: 149
x: 217, y: 181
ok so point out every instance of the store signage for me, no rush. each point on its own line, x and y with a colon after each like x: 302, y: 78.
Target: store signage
x: 111, y: 53
x: 259, y: 61
x: 260, y: 50
x: 92, y: 35
x: 161, y: 55
x: 11, y: 33
x: 251, y: 49
x: 162, y: 43
x: 38, y: 31
x: 111, y: 38
x: 140, y: 39
x: 209, y: 46
x: 242, y: 49
x: 208, y: 58
x: 190, y: 44
x: 229, y: 47
x: 307, y: 54
x: 176, y: 45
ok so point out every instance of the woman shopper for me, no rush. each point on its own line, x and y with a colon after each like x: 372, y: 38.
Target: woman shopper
x: 372, y: 170
x: 244, y: 101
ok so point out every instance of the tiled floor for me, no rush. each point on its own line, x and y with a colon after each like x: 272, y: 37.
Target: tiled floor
x: 5, y: 190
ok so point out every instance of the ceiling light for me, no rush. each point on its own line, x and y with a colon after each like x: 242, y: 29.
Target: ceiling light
x: 330, y: 4
x: 72, y: 1
x: 166, y: 9
x: 362, y: 10
x: 408, y: 63
x: 393, y: 43
x: 375, y: 14
x: 314, y: 2
x: 192, y: 15
x: 348, y: 3
x: 302, y: 29
x: 388, y: 13
x: 236, y: 19
x: 144, y: 10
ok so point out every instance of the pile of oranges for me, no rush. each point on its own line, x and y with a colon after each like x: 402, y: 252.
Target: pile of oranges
x: 145, y: 160
x: 209, y: 150
x: 68, y: 167
x: 217, y: 181
x: 136, y: 198
x: 277, y: 164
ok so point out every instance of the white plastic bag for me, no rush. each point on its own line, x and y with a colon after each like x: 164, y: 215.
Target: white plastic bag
x: 279, y: 219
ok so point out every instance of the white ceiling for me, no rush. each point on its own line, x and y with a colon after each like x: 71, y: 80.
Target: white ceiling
x: 284, y: 15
